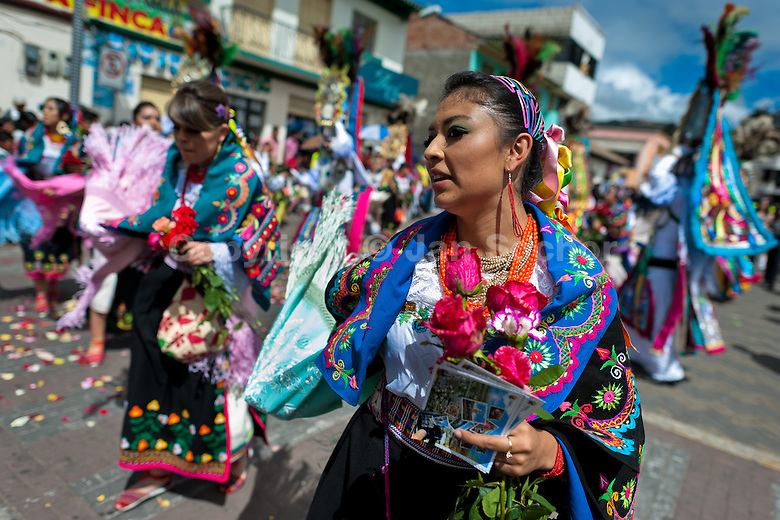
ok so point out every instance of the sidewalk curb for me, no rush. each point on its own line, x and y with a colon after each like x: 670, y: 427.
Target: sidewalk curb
x: 768, y: 459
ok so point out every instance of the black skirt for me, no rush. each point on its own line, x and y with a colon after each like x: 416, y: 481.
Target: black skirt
x: 174, y: 419
x: 352, y: 485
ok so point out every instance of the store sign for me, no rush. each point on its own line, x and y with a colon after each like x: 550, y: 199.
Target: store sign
x: 385, y: 86
x: 150, y: 18
x: 112, y: 68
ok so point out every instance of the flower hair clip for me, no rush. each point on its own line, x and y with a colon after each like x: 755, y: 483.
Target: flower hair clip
x: 222, y: 110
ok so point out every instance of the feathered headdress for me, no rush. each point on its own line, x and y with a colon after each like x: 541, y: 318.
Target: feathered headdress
x: 729, y: 52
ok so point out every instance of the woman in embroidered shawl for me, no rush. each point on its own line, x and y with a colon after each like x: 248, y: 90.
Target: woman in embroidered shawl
x: 45, y: 154
x: 191, y: 420
x: 486, y: 148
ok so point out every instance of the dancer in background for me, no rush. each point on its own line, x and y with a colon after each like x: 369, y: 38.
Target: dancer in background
x: 44, y: 156
x: 191, y: 419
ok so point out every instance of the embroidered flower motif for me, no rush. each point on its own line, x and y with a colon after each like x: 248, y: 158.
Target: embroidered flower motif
x: 222, y: 456
x: 189, y: 457
x: 142, y: 445
x: 177, y: 449
x: 219, y: 419
x: 580, y: 258
x: 220, y: 400
x: 124, y: 444
x: 162, y: 418
x: 160, y: 445
x: 575, y: 307
x: 205, y: 458
x: 192, y: 429
x: 627, y: 495
x: 608, y: 397
x: 204, y: 430
x: 540, y: 354
x: 135, y: 411
x: 185, y: 413
x: 232, y: 192
x: 173, y: 419
x: 153, y: 406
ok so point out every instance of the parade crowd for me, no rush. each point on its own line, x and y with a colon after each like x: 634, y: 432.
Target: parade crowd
x: 464, y: 273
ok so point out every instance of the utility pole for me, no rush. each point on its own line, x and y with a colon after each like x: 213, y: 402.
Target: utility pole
x: 75, y: 53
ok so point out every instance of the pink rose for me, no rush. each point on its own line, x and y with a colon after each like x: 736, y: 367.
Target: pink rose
x: 513, y: 364
x: 461, y: 331
x: 516, y: 296
x: 464, y: 272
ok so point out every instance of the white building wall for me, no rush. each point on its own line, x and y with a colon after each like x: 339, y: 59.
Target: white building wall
x: 587, y: 34
x: 390, y: 34
x: 18, y: 27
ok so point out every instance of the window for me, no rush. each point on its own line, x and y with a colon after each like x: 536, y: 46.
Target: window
x: 361, y: 25
x: 250, y: 114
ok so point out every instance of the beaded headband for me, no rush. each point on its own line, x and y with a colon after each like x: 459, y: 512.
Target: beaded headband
x: 532, y: 115
x: 556, y: 160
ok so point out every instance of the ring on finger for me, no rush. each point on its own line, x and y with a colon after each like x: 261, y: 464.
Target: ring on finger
x: 509, y: 450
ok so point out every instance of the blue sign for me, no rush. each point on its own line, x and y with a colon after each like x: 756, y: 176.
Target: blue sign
x: 384, y: 86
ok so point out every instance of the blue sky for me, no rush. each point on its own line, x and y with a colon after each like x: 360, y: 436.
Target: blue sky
x: 654, y: 54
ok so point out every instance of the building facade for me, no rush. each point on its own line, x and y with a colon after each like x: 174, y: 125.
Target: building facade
x: 438, y: 46
x: 130, y: 55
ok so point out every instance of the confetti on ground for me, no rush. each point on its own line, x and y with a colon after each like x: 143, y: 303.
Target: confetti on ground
x: 90, y: 424
x: 164, y: 502
x: 87, y: 383
x: 35, y: 367
x: 54, y: 397
x: 90, y: 409
x: 98, y: 384
x: 103, y: 411
x: 101, y: 498
x: 51, y: 336
x: 20, y: 391
x: 106, y: 379
x: 6, y: 376
x: 44, y: 355
x: 5, y: 337
x: 38, y: 418
x: 7, y: 318
x: 59, y: 361
x: 20, y: 421
x: 65, y: 418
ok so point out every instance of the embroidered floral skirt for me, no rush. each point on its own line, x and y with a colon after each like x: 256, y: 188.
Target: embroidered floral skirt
x: 174, y: 419
x: 51, y: 259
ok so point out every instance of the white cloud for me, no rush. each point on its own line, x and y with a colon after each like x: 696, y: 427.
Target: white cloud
x: 626, y: 92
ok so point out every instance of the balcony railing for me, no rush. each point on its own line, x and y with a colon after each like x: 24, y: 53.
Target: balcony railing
x: 262, y: 36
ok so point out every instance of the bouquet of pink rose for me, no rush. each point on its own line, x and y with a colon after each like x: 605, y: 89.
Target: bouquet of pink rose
x: 511, y: 312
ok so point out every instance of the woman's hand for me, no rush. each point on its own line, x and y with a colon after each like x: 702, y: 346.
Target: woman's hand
x: 530, y: 449
x: 197, y: 253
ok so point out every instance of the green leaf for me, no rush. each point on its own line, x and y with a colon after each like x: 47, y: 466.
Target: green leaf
x: 542, y: 501
x: 491, y: 503
x: 534, y: 513
x: 547, y: 376
x: 211, y: 300
x: 541, y: 413
x: 196, y: 277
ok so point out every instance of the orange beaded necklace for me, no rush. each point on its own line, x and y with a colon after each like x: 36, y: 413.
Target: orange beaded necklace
x: 522, y: 267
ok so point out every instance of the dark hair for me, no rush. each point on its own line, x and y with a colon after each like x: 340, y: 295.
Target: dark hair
x: 504, y: 107
x: 89, y: 115
x: 195, y: 106
x: 62, y: 107
x: 140, y: 106
x: 5, y: 136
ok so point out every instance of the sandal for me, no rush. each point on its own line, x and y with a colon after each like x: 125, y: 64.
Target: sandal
x: 131, y: 498
x: 236, y: 482
x: 42, y: 304
x: 93, y: 358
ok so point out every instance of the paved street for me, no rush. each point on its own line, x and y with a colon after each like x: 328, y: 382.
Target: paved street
x: 713, y: 449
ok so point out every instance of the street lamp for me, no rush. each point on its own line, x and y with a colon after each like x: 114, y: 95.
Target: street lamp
x: 75, y: 53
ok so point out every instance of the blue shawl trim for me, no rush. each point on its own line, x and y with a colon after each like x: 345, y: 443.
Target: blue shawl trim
x: 583, y: 305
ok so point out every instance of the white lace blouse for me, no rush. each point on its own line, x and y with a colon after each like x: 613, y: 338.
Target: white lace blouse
x: 409, y: 356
